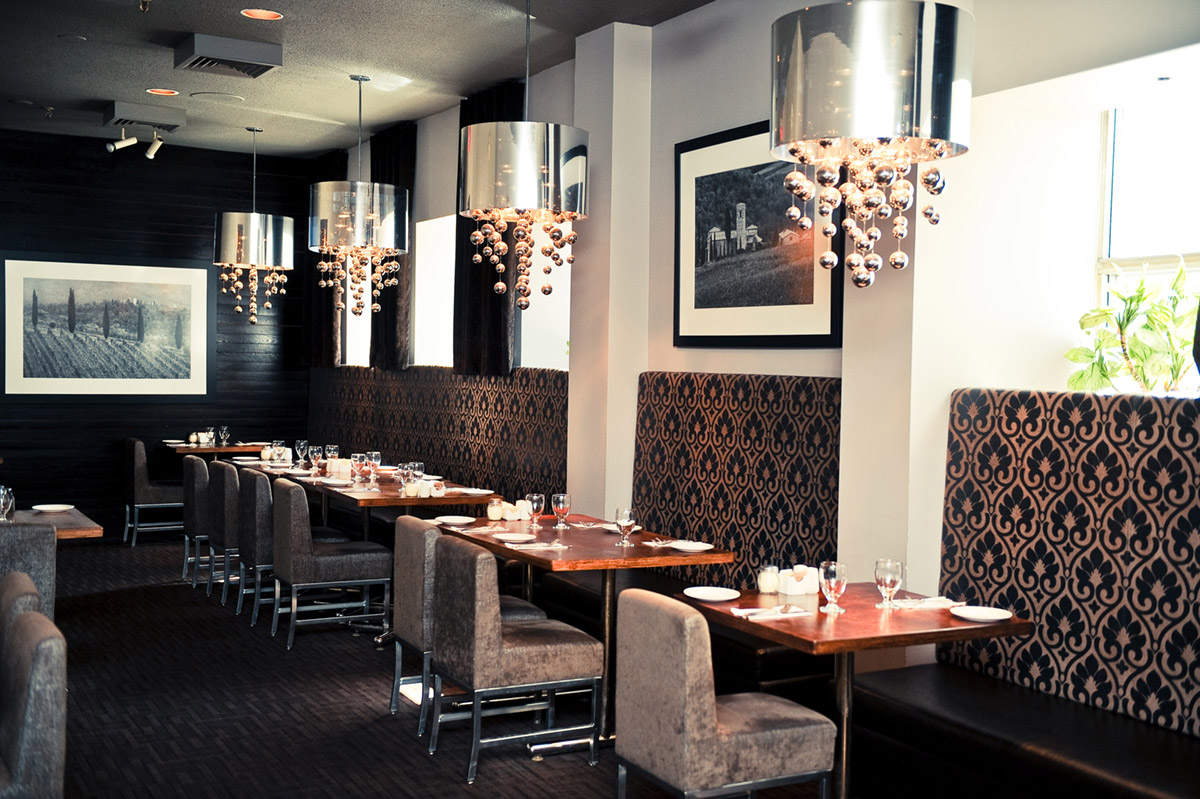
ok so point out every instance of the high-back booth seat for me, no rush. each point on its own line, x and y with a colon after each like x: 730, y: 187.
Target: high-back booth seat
x: 745, y: 462
x: 141, y: 493
x: 413, y: 573
x: 491, y: 658
x: 675, y: 730
x: 33, y: 704
x: 223, y: 498
x: 303, y: 564
x: 196, y: 517
x: 1080, y: 512
x: 18, y: 595
x: 32, y: 549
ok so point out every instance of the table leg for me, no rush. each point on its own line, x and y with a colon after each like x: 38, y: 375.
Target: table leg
x: 843, y: 681
x: 527, y: 587
x: 324, y: 510
x: 608, y: 623
x: 366, y: 523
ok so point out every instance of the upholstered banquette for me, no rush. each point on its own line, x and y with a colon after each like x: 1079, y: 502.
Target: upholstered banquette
x: 748, y: 463
x: 1081, y: 512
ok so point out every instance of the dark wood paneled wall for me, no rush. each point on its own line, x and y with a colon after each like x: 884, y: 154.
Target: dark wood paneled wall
x: 68, y: 196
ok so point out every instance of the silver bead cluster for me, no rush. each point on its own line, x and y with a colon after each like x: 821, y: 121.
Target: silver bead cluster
x: 232, y: 282
x: 364, y: 265
x: 488, y: 240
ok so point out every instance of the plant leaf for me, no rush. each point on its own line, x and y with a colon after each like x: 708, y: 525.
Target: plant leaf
x: 1080, y: 355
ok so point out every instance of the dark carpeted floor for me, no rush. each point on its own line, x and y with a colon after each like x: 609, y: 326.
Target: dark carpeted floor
x: 172, y: 695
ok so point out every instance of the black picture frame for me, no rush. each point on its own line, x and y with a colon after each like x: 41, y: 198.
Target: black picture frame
x: 728, y: 280
x: 178, y: 305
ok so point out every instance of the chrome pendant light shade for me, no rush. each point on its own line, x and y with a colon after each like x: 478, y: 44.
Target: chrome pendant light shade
x: 531, y: 175
x: 873, y: 87
x: 245, y: 244
x: 359, y: 229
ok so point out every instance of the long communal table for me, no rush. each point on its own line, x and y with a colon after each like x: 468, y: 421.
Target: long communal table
x: 863, y: 626
x: 67, y: 524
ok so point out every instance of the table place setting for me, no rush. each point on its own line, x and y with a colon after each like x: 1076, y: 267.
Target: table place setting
x: 539, y: 545
x: 926, y: 603
x: 768, y: 614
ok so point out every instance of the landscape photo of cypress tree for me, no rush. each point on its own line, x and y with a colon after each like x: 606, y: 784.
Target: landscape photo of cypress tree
x: 106, y: 329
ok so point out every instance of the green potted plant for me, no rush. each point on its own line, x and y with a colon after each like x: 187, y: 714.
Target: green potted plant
x: 1142, y: 342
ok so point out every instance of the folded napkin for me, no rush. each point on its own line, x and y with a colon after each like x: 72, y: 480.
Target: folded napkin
x: 539, y: 545
x: 766, y: 614
x: 659, y: 542
x: 928, y: 603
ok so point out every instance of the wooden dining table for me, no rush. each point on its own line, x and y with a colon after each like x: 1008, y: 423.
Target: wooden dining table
x: 67, y: 524
x: 215, y: 450
x: 863, y: 626
x: 589, y: 548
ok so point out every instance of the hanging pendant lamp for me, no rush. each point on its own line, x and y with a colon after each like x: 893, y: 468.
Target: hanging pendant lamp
x: 523, y: 174
x: 874, y: 87
x: 246, y: 244
x: 358, y: 228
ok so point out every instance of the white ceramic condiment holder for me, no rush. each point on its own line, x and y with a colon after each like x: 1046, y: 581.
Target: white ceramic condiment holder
x: 798, y: 580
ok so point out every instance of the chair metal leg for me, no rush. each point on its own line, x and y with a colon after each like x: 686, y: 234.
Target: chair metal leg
x: 125, y: 534
x: 550, y: 696
x: 292, y: 621
x: 241, y: 586
x: 396, y: 680
x: 275, y: 618
x: 621, y: 777
x: 823, y: 787
x: 187, y: 555
x: 258, y: 570
x: 212, y: 556
x: 437, y: 713
x: 225, y: 582
x: 594, y: 738
x: 476, y: 735
x: 133, y: 542
x: 426, y: 668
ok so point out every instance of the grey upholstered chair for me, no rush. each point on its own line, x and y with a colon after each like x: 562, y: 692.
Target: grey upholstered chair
x: 223, y: 524
x: 33, y: 549
x: 256, y: 537
x: 196, y: 517
x: 412, y: 609
x: 142, y: 494
x: 490, y: 658
x: 18, y: 595
x: 33, y: 709
x: 302, y: 564
x: 672, y: 729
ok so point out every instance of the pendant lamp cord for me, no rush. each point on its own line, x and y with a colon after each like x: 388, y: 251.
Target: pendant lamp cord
x: 525, y: 110
x: 360, y: 128
x: 254, y: 180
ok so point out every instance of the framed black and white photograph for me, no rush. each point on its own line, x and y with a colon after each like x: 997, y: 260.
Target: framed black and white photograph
x: 105, y: 330
x: 746, y: 275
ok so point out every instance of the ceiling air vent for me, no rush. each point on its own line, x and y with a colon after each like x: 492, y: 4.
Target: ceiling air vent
x: 219, y: 55
x: 126, y: 115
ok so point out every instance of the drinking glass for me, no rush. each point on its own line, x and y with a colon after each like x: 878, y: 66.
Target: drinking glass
x: 358, y: 462
x: 889, y: 574
x: 373, y: 460
x: 537, y: 504
x: 6, y: 503
x: 208, y: 435
x: 625, y: 523
x: 418, y: 470
x: 277, y: 449
x: 301, y: 450
x: 561, y: 505
x: 331, y: 451
x: 224, y: 433
x: 314, y: 454
x: 833, y: 585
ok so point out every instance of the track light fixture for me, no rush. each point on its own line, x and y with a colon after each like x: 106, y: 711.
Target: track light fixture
x: 154, y: 145
x: 144, y: 6
x: 120, y: 143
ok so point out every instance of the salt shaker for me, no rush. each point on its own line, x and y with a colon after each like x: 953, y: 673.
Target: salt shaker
x: 768, y: 580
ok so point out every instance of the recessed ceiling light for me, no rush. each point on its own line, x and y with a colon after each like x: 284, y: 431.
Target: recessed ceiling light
x: 72, y: 38
x: 261, y: 13
x: 162, y: 92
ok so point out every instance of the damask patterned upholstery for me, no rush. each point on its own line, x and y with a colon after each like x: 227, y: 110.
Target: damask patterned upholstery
x: 1081, y: 512
x: 504, y: 433
x: 746, y: 462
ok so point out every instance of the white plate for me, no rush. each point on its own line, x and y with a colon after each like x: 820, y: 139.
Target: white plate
x: 299, y: 472
x: 981, y: 613
x: 455, y: 519
x: 711, y: 593
x: 612, y: 528
x: 245, y: 459
x: 52, y: 508
x: 513, y: 537
x: 471, y: 492
x: 432, y: 477
x: 690, y: 546
x: 173, y: 441
x: 336, y: 483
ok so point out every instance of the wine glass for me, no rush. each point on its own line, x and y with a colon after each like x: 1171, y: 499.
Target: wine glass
x: 889, y: 574
x: 6, y: 503
x: 224, y: 433
x: 314, y: 454
x: 301, y: 450
x: 358, y: 462
x: 331, y: 451
x: 561, y: 505
x: 208, y: 435
x: 418, y: 470
x: 833, y: 585
x: 277, y: 449
x: 537, y: 504
x: 625, y: 523
x: 374, y: 458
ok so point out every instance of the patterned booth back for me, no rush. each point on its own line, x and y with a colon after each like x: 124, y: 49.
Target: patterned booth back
x: 746, y: 462
x: 1081, y: 512
x: 504, y: 433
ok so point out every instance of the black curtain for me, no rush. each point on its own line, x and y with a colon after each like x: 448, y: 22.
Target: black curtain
x: 483, y: 320
x: 324, y: 325
x: 394, y: 161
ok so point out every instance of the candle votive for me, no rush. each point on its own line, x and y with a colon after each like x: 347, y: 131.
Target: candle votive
x: 768, y: 580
